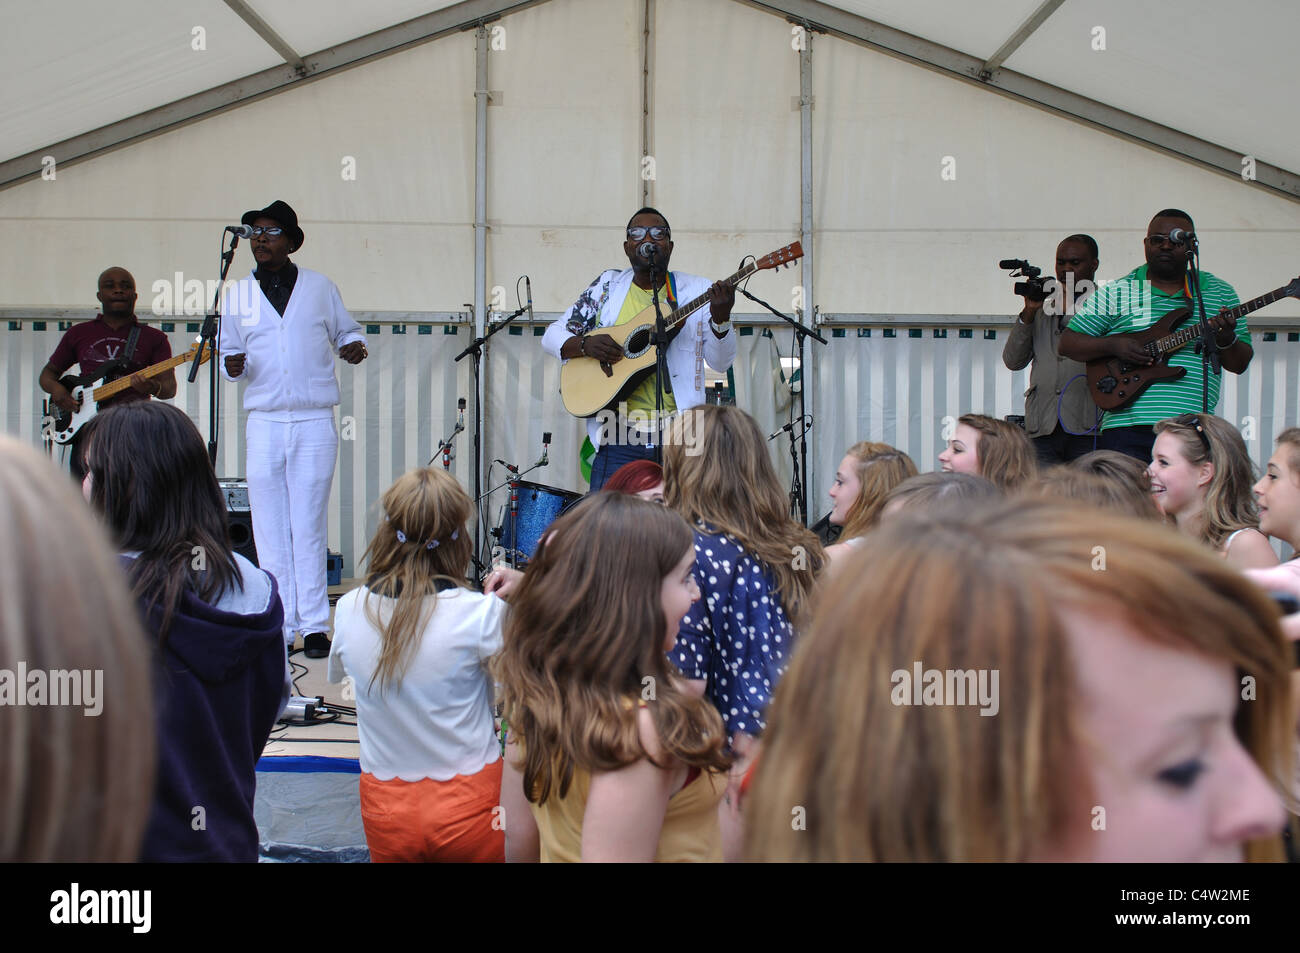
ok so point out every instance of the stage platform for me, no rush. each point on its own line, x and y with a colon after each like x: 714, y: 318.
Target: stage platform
x: 307, y: 803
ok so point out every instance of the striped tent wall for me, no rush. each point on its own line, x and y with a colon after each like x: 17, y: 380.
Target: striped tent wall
x: 874, y: 381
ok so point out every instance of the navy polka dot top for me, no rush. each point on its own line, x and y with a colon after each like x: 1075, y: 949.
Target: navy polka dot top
x: 736, y: 636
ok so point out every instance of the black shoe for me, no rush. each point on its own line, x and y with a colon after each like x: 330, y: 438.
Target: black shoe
x: 315, y: 645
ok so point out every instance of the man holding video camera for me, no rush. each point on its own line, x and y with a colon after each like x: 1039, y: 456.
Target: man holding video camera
x: 1059, y: 412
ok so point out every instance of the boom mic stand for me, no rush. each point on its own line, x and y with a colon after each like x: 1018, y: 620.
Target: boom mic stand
x: 800, y: 477
x: 475, y: 347
x: 660, y: 342
x: 1208, y: 346
x: 210, y: 337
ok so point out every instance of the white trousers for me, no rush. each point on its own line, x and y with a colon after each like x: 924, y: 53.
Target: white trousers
x: 290, y: 469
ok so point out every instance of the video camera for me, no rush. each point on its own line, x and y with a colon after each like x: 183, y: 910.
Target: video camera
x: 1036, y: 288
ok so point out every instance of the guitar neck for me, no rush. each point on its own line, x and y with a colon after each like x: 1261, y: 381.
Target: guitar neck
x: 684, y: 311
x: 1187, y: 335
x: 122, y: 383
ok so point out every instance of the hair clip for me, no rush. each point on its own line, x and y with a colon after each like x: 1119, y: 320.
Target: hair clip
x: 401, y: 537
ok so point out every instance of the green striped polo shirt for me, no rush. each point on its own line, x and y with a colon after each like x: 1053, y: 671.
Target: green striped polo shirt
x: 1132, y: 304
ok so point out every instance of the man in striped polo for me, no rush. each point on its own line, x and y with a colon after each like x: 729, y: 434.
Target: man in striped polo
x: 1108, y: 321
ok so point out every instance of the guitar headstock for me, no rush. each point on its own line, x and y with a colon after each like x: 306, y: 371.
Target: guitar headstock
x: 1293, y: 289
x: 782, y: 256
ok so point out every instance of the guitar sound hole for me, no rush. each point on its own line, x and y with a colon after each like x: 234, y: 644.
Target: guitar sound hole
x: 638, y: 342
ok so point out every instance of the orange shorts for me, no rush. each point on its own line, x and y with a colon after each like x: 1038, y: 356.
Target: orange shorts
x: 425, y: 821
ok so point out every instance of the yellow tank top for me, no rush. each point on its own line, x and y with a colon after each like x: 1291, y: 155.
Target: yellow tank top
x: 690, y: 833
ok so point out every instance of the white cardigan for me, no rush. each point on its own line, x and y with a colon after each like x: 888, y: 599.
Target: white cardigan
x: 694, y: 346
x: 289, y: 360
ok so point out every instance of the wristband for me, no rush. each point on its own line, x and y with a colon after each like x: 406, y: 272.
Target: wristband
x: 582, y: 344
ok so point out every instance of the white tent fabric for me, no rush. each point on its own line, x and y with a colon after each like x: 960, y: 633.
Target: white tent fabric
x: 895, y: 240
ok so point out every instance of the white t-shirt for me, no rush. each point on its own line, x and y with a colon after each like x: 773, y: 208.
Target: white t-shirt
x: 437, y: 721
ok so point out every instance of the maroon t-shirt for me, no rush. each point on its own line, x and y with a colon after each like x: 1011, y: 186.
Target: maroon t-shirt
x: 92, y: 344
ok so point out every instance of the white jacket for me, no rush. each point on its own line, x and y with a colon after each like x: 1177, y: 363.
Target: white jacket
x: 289, y: 360
x: 693, y: 347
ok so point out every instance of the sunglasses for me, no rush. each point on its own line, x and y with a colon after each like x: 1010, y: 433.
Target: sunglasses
x: 273, y: 231
x: 657, y: 232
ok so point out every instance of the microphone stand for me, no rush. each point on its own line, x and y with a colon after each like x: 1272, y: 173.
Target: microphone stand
x: 516, y: 477
x: 1208, y: 345
x: 798, y: 481
x: 210, y: 337
x: 444, y: 446
x: 475, y: 347
x: 660, y: 342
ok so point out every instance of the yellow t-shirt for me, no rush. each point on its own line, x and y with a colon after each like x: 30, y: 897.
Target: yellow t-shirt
x: 643, y: 398
x: 691, y: 832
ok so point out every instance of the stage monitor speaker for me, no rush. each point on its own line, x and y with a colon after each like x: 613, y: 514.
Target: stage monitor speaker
x: 241, y: 535
x: 235, y: 491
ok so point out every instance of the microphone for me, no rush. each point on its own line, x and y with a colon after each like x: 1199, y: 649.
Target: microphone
x: 546, y: 450
x: 509, y: 466
x: 460, y: 413
x: 788, y: 428
x: 528, y: 285
x: 243, y: 231
x: 647, y: 250
x: 1180, y: 237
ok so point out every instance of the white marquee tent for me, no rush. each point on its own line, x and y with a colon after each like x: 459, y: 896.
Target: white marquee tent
x: 437, y: 152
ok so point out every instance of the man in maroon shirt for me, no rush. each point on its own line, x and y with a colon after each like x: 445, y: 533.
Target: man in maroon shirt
x: 92, y: 344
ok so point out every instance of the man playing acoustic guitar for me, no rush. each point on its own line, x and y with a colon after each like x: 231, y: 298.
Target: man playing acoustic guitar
x: 93, y: 344
x: 1107, y: 322
x: 616, y: 297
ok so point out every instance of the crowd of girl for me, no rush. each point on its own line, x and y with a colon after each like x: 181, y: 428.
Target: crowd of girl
x: 683, y: 672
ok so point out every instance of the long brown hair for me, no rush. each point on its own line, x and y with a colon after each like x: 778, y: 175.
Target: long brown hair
x: 1006, y: 456
x: 74, y: 787
x: 880, y: 781
x: 152, y: 480
x: 585, y: 639
x: 717, y: 472
x: 1119, y: 495
x: 411, y: 550
x: 879, y: 468
x: 1230, y: 502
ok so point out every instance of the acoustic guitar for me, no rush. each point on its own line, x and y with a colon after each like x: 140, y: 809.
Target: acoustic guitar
x: 1114, y: 383
x: 62, y: 425
x: 585, y: 388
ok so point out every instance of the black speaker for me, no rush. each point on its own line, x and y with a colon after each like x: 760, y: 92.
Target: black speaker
x: 241, y: 535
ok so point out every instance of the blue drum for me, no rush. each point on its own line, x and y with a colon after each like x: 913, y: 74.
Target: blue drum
x: 538, y: 507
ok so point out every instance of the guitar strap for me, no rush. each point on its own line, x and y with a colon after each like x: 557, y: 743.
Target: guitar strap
x: 123, y: 358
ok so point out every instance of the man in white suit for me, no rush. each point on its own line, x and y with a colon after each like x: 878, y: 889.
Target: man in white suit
x: 280, y: 331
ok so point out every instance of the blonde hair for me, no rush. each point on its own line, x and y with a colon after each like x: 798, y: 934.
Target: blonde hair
x: 1230, y: 503
x: 717, y: 473
x: 585, y: 631
x: 411, y: 550
x: 1006, y: 457
x: 886, y: 782
x: 879, y: 468
x: 73, y: 787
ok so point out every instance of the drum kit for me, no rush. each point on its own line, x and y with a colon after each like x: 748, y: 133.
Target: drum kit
x: 523, y: 521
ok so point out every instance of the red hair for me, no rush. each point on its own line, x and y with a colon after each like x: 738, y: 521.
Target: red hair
x: 635, y: 476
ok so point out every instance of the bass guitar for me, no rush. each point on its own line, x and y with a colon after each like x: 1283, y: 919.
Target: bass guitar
x: 1114, y: 383
x: 62, y: 425
x: 584, y: 386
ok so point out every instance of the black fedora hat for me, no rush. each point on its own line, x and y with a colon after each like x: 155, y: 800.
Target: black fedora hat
x: 282, y: 213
